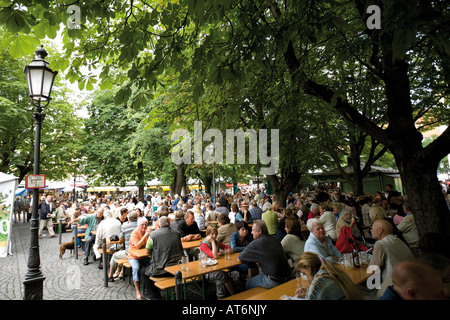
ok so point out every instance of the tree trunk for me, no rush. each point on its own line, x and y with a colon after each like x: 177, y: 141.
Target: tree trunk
x: 207, y: 181
x: 417, y: 165
x: 285, y: 184
x: 425, y: 195
x: 357, y: 175
x: 141, y: 181
x: 179, y: 181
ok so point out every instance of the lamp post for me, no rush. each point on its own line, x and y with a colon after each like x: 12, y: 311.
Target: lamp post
x: 40, y: 82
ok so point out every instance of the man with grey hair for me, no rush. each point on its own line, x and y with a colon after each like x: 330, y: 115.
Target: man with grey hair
x: 265, y: 250
x: 221, y: 209
x: 107, y: 228
x: 166, y: 249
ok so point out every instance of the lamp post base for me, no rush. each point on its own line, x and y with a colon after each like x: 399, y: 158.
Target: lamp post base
x: 34, y: 288
x: 34, y: 280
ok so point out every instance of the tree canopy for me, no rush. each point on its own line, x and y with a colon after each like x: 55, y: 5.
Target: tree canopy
x: 381, y: 67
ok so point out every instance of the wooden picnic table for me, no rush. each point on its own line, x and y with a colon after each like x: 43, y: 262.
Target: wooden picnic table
x: 358, y: 276
x: 195, y: 270
x: 140, y: 253
x: 192, y: 244
x: 198, y: 272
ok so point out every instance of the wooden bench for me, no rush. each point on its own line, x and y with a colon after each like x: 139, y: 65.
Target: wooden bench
x: 165, y: 283
x: 247, y: 294
x: 159, y: 279
x: 168, y: 283
x: 121, y: 261
x: 125, y: 264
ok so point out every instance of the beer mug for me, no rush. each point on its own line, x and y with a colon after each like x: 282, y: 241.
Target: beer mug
x: 348, y: 260
x: 363, y: 258
x: 184, y: 262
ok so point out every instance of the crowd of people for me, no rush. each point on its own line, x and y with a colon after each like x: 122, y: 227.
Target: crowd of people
x: 267, y: 235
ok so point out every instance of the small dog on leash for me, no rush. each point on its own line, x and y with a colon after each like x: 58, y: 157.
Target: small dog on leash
x: 66, y: 246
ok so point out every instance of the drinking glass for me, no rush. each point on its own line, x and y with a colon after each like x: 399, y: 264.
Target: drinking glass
x: 184, y: 263
x: 202, y: 259
x: 348, y: 260
x: 363, y: 258
x: 227, y: 254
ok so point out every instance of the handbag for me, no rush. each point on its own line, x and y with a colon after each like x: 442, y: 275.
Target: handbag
x: 345, y: 242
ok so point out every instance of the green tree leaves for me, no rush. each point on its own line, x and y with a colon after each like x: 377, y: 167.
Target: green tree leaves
x: 60, y: 128
x: 21, y: 45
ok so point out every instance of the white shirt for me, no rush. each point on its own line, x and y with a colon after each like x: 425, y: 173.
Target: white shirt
x: 140, y: 205
x: 130, y: 206
x: 105, y: 230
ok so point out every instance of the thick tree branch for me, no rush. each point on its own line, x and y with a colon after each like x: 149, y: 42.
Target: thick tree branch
x: 436, y: 150
x: 328, y: 95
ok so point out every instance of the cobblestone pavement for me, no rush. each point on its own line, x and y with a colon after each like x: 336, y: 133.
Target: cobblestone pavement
x: 66, y: 279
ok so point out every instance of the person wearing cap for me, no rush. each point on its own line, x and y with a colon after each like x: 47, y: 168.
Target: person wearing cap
x: 244, y: 214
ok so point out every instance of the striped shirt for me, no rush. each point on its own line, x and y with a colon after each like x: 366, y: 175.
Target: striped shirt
x: 127, y: 228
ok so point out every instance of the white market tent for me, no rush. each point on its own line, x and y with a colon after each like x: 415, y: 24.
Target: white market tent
x: 8, y: 186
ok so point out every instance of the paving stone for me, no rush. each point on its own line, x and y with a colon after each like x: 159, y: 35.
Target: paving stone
x: 67, y: 278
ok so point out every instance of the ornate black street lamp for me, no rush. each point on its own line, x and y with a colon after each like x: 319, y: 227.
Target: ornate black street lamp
x: 40, y: 82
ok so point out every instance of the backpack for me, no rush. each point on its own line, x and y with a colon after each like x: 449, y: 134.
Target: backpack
x: 345, y: 242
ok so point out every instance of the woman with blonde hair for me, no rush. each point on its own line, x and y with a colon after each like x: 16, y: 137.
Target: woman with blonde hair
x: 276, y: 207
x: 327, y: 282
x: 376, y: 213
x: 199, y: 217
